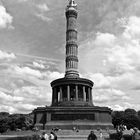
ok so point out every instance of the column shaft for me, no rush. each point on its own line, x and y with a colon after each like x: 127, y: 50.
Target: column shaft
x: 84, y: 93
x: 56, y: 95
x: 53, y: 96
x: 89, y: 93
x: 61, y: 94
x: 68, y: 93
x: 76, y: 92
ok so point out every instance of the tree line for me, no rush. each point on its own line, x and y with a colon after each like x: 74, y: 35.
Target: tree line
x: 129, y: 117
x: 11, y: 122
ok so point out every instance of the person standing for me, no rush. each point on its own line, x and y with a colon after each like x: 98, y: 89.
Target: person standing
x: 92, y: 136
x: 100, y: 135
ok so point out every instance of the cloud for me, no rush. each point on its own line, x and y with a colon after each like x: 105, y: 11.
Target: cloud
x: 43, y: 7
x: 118, y: 107
x: 105, y: 96
x: 100, y: 81
x: 132, y: 29
x: 104, y: 38
x: 40, y: 93
x: 27, y: 71
x: 117, y: 52
x: 7, y: 108
x: 27, y: 88
x: 25, y: 99
x: 7, y: 97
x: 5, y: 18
x: 7, y: 56
x: 112, y: 62
x: 22, y: 0
x: 124, y: 106
x: 125, y: 53
x: 37, y: 65
x: 43, y: 17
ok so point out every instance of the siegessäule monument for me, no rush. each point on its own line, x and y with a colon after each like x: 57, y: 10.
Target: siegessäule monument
x: 72, y: 104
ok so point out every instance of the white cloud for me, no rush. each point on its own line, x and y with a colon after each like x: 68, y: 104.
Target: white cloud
x: 25, y: 107
x: 43, y: 17
x: 104, y: 39
x: 37, y: 65
x: 113, y: 64
x: 116, y: 52
x: 20, y: 1
x: 25, y: 99
x: 43, y: 7
x: 53, y: 75
x: 7, y: 108
x: 132, y: 28
x: 27, y: 71
x: 118, y: 107
x: 7, y: 56
x: 34, y: 91
x: 125, y: 52
x: 100, y: 80
x: 108, y: 95
x: 10, y: 98
x: 125, y: 105
x: 5, y: 18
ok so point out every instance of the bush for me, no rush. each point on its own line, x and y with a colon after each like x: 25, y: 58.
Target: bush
x: 127, y: 137
x: 115, y: 136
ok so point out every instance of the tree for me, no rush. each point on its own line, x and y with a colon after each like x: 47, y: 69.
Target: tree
x: 131, y: 118
x: 138, y: 118
x: 130, y: 111
x: 117, y: 118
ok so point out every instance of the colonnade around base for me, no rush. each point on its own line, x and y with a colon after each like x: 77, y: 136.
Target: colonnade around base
x: 71, y: 93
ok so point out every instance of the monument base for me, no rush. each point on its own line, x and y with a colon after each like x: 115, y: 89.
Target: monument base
x: 69, y: 117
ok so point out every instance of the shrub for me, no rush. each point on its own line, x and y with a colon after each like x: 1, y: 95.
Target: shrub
x: 127, y: 137
x: 115, y: 136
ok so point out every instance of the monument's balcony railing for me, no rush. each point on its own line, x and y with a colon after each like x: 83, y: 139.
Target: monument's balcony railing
x: 74, y: 99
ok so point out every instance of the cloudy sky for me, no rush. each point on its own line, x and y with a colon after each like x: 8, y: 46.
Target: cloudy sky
x: 32, y: 51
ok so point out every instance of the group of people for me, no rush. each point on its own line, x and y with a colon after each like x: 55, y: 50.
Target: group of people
x: 51, y: 136
x: 133, y: 132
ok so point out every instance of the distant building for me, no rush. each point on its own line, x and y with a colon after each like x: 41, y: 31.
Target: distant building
x: 72, y: 104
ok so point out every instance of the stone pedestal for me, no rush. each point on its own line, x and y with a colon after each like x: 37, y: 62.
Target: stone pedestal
x: 69, y: 117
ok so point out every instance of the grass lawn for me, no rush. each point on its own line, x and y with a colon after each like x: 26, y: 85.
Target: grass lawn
x: 62, y: 135
x: 20, y: 133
